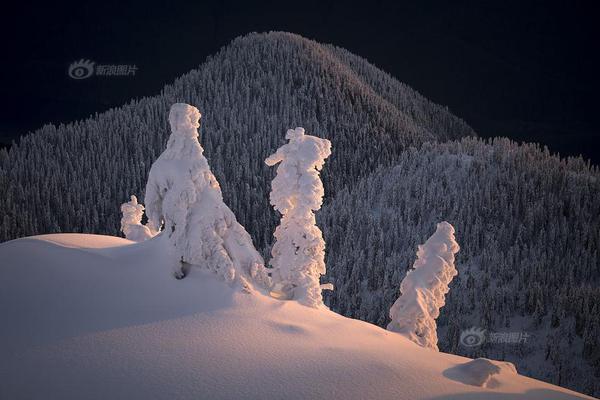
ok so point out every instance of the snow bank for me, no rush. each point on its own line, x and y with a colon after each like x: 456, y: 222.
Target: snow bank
x: 481, y: 372
x: 423, y: 290
x: 184, y: 197
x: 81, y: 241
x: 105, y: 322
x: 297, y: 192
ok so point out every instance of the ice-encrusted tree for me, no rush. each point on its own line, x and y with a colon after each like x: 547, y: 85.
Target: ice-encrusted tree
x: 423, y: 290
x: 131, y: 221
x: 184, y: 197
x: 298, y: 254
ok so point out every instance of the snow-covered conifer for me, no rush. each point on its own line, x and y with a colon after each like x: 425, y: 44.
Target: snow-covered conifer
x: 131, y: 221
x: 184, y: 196
x: 297, y: 191
x: 424, y: 288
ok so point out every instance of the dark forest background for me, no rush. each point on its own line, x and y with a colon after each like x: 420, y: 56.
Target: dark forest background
x: 522, y: 69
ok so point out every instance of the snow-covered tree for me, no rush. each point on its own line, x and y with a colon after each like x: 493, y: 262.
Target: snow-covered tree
x: 184, y: 197
x: 297, y: 192
x: 423, y: 290
x: 131, y: 221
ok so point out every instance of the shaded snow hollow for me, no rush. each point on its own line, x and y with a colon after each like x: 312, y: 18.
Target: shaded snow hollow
x: 97, y: 317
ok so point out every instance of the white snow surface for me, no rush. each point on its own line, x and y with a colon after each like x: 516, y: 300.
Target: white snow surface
x: 97, y: 317
x: 480, y: 372
x: 423, y: 290
x: 183, y: 195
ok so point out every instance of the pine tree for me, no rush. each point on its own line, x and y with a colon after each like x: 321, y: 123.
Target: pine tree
x: 424, y: 288
x: 297, y: 192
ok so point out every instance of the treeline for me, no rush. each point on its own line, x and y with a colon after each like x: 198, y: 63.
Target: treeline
x: 69, y: 178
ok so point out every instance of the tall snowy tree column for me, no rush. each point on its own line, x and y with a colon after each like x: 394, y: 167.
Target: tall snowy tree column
x: 298, y: 255
x: 423, y: 290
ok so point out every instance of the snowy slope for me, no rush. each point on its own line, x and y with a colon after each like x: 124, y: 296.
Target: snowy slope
x: 96, y: 317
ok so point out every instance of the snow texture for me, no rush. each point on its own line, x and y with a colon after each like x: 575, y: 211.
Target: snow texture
x: 480, y: 372
x: 184, y: 197
x: 297, y: 192
x: 423, y: 290
x: 95, y: 317
x: 131, y: 221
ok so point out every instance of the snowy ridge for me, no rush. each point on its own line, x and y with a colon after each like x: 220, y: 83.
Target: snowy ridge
x: 128, y: 330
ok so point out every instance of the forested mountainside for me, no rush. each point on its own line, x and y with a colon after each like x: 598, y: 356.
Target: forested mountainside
x: 528, y: 226
x: 71, y: 177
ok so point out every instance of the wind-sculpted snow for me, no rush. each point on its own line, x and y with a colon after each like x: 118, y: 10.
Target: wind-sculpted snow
x: 131, y: 222
x: 99, y: 319
x: 480, y: 372
x: 184, y: 196
x: 299, y: 249
x: 423, y: 290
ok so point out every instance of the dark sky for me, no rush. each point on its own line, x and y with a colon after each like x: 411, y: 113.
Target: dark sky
x: 523, y: 69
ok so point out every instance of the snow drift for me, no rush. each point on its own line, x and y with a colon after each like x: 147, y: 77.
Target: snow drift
x: 480, y: 372
x: 97, y: 317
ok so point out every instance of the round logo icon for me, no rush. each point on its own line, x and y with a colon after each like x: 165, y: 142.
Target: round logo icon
x: 472, y: 337
x: 81, y: 69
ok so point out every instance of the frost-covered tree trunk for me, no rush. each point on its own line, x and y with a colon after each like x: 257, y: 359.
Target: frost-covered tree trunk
x: 423, y: 290
x: 297, y: 192
x: 131, y: 221
x: 184, y: 196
